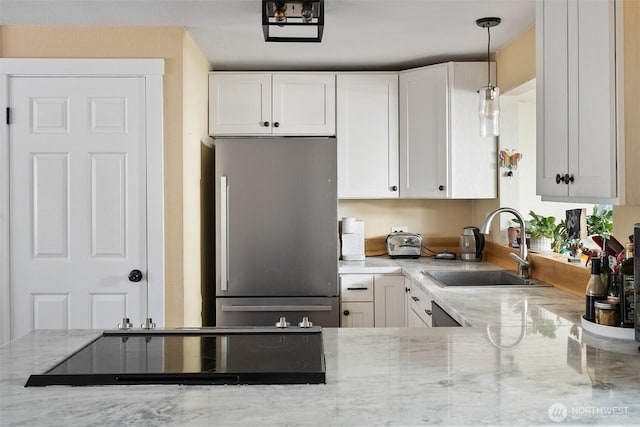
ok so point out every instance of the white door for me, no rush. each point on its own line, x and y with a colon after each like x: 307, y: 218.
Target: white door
x: 304, y: 104
x: 367, y: 133
x: 240, y: 104
x: 357, y: 315
x: 77, y: 202
x: 424, y: 98
x: 389, y: 302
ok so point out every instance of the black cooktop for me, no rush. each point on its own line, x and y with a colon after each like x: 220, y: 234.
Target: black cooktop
x: 206, y: 356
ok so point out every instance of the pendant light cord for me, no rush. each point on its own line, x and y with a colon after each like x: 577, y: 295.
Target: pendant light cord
x: 488, y: 56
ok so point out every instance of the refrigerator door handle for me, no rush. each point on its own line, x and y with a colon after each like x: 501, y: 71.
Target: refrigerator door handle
x: 276, y: 308
x: 224, y: 230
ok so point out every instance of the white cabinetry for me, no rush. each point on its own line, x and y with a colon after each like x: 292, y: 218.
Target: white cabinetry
x: 356, y: 296
x: 367, y: 132
x: 441, y: 152
x: 369, y: 300
x: 576, y: 100
x: 389, y: 301
x: 271, y: 103
x: 420, y: 305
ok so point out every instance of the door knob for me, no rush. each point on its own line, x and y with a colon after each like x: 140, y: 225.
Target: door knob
x: 135, y: 276
x: 346, y: 312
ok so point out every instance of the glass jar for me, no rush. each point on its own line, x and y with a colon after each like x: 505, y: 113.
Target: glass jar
x: 606, y: 313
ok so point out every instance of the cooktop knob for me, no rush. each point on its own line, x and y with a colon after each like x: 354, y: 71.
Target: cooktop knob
x: 126, y: 324
x: 282, y: 323
x: 305, y: 323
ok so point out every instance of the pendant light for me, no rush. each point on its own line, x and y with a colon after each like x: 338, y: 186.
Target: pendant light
x: 489, y: 107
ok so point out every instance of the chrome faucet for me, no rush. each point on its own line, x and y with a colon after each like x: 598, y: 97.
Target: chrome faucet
x: 523, y: 263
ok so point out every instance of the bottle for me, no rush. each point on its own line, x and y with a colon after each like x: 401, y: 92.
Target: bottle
x: 595, y: 291
x: 613, y: 294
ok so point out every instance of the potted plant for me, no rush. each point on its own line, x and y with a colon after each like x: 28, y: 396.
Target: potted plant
x: 600, y: 222
x: 541, y: 231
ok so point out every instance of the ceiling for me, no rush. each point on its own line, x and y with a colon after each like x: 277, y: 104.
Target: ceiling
x: 358, y: 34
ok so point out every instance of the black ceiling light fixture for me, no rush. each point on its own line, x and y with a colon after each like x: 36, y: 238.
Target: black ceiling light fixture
x: 489, y: 108
x: 292, y: 21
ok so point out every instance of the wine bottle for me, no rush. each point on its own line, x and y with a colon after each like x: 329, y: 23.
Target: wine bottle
x: 596, y: 290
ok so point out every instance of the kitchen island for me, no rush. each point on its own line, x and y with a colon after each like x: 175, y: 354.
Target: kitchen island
x: 524, y: 359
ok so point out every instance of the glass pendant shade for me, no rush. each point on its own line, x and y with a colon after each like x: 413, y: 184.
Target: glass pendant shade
x: 489, y: 111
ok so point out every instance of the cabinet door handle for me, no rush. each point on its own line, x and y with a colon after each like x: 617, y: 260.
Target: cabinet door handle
x: 416, y: 299
x: 429, y: 312
x: 565, y: 179
x: 394, y: 188
x: 441, y: 187
x: 346, y: 312
x: 266, y: 124
x: 357, y: 289
x: 276, y: 124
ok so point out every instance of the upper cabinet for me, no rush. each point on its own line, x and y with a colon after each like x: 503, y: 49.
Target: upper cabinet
x: 577, y: 137
x: 442, y: 154
x: 271, y: 103
x: 367, y: 133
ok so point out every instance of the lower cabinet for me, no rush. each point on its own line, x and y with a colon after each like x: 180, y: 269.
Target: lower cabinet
x: 420, y: 308
x: 357, y: 315
x: 372, y: 300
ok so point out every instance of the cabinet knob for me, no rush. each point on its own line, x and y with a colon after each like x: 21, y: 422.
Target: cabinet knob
x: 441, y: 187
x: 394, y: 188
x: 565, y: 179
x: 346, y: 312
x: 276, y: 124
x: 266, y: 124
x: 407, y: 289
x: 416, y: 299
x: 429, y: 312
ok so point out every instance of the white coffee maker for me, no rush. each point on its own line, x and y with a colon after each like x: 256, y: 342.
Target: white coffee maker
x: 352, y: 238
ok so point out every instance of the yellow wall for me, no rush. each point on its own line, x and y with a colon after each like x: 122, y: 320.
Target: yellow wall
x: 195, y: 132
x: 139, y: 42
x: 516, y: 61
x: 431, y: 218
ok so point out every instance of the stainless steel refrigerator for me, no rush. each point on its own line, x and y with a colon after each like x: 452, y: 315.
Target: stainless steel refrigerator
x: 276, y: 231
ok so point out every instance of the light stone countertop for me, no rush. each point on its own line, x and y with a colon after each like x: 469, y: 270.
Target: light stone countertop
x: 508, y: 369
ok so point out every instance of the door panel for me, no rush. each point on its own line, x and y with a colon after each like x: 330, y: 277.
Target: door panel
x: 78, y: 203
x: 282, y: 210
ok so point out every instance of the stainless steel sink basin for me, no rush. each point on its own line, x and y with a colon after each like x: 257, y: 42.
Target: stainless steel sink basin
x: 479, y: 278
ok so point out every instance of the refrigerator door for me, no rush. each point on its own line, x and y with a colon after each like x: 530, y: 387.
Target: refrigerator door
x: 267, y: 311
x: 276, y: 217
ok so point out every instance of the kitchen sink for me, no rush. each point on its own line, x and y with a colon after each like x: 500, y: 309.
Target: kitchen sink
x: 479, y: 278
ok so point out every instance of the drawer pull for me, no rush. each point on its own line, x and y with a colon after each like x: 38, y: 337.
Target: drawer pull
x: 357, y: 289
x: 429, y: 312
x: 416, y: 299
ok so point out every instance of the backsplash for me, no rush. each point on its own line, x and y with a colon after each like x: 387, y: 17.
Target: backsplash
x: 431, y: 218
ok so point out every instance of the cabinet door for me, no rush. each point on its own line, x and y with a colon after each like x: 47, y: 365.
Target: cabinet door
x: 389, y: 301
x: 239, y: 103
x: 552, y: 96
x: 304, y: 104
x: 357, y: 315
x: 423, y: 132
x: 367, y: 131
x: 592, y: 134
x: 576, y: 100
x: 415, y: 321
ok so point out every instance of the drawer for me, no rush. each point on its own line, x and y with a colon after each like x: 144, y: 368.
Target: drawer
x: 356, y: 287
x: 421, y: 304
